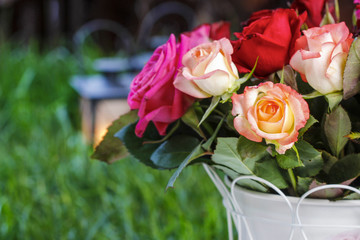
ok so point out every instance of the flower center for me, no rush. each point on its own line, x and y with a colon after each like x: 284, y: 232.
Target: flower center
x: 201, y: 52
x: 269, y: 108
x: 269, y: 115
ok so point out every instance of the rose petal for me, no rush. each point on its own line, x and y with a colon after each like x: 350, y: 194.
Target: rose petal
x: 335, y: 71
x: 189, y: 87
x: 243, y: 127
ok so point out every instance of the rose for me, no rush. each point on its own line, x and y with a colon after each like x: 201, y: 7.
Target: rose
x: 270, y: 35
x: 152, y: 91
x: 315, y: 10
x: 202, y: 34
x: 274, y: 112
x: 357, y: 13
x: 320, y: 56
x: 208, y: 70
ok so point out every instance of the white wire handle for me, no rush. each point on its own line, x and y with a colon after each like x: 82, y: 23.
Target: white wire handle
x: 269, y: 184
x: 319, y: 188
x: 235, y: 211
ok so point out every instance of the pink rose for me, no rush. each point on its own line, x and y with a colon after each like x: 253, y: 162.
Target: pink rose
x: 274, y: 112
x: 321, y: 55
x: 208, y: 70
x: 153, y: 93
x: 152, y: 90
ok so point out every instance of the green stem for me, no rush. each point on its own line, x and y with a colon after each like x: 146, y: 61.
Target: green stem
x: 292, y: 179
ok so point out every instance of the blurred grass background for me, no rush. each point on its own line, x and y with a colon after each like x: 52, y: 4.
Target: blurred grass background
x: 51, y: 189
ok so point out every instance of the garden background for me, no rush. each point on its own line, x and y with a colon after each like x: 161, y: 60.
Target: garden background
x: 50, y: 188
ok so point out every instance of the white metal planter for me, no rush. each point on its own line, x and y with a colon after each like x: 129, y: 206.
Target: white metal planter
x: 264, y: 216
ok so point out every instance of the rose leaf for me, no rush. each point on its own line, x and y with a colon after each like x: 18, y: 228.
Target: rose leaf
x: 270, y: 171
x: 138, y: 147
x: 250, y: 151
x: 214, y: 102
x: 226, y: 154
x: 311, y: 158
x: 311, y: 121
x: 190, y: 118
x: 111, y: 148
x: 345, y: 169
x: 171, y: 153
x: 288, y: 160
x: 194, y: 154
x: 303, y: 184
x: 333, y: 99
x: 247, y: 183
x: 337, y: 125
x: 351, y: 82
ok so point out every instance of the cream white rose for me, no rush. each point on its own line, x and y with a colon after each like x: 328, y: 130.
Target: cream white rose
x: 321, y: 56
x: 208, y: 70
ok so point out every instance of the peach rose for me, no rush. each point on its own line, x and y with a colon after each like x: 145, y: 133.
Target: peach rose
x: 274, y: 112
x: 208, y: 70
x: 321, y: 55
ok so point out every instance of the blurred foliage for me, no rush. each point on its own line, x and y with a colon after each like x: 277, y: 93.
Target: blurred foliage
x: 50, y: 189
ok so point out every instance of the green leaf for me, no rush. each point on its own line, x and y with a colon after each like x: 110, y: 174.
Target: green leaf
x: 288, y: 160
x: 226, y: 154
x: 247, y: 183
x: 111, y: 148
x: 312, y: 95
x: 329, y: 161
x: 303, y: 184
x: 172, y: 152
x: 250, y: 152
x: 353, y: 196
x: 353, y: 136
x: 208, y: 143
x: 345, y: 169
x: 328, y: 18
x: 334, y: 99
x: 191, y: 119
x: 311, y: 158
x: 337, y: 125
x: 268, y: 169
x: 351, y: 83
x: 311, y: 121
x: 195, y: 153
x: 259, y: 164
x: 214, y: 102
x: 136, y: 146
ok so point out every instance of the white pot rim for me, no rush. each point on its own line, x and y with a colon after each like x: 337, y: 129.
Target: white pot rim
x: 292, y: 199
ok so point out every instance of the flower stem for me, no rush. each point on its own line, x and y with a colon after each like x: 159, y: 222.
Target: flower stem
x: 292, y: 179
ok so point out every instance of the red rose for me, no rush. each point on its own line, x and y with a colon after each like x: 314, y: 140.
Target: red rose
x: 152, y: 90
x: 220, y: 30
x: 269, y: 35
x: 315, y: 10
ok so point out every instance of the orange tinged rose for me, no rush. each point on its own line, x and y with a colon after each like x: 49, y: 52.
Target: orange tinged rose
x: 274, y: 112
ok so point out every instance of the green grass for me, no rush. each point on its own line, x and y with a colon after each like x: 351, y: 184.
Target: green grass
x: 50, y: 189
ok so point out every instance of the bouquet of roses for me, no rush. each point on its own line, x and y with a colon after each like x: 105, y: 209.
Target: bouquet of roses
x: 279, y: 101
